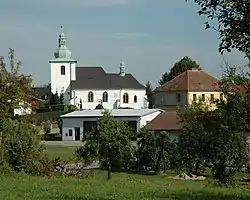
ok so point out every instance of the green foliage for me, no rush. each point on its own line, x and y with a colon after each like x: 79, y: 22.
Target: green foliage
x: 122, y: 187
x: 15, y: 88
x: 235, y: 75
x: 192, y: 158
x: 109, y: 144
x: 231, y: 21
x: 153, y: 150
x: 150, y: 95
x: 215, y: 138
x: 47, y: 127
x: 21, y: 145
x: 183, y: 65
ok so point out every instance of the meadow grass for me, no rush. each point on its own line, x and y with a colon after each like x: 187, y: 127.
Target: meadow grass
x: 66, y: 153
x: 121, y: 186
x: 95, y: 186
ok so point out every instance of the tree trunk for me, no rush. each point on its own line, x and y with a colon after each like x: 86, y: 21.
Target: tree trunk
x: 109, y: 171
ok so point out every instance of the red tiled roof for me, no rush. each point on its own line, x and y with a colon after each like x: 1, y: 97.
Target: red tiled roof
x: 191, y: 80
x: 165, y: 121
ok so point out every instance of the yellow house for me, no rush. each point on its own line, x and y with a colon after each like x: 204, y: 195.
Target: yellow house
x: 189, y: 86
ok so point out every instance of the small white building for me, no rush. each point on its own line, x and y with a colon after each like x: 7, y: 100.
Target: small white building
x: 77, y: 123
x: 86, y: 87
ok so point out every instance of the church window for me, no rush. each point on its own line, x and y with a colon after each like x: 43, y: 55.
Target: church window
x: 135, y: 99
x: 62, y: 70
x: 90, y: 97
x: 125, y: 98
x: 105, y: 97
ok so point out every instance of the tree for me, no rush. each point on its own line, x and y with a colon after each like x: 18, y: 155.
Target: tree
x: 146, y: 149
x: 109, y: 144
x: 150, y: 95
x: 54, y: 102
x: 61, y: 99
x: 16, y: 89
x: 235, y: 75
x: 164, y: 148
x: 183, y: 65
x: 232, y: 21
x: 153, y: 150
x: 21, y: 144
x: 215, y: 138
x: 192, y: 142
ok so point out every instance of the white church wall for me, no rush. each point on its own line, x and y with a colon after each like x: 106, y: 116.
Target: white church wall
x: 115, y: 98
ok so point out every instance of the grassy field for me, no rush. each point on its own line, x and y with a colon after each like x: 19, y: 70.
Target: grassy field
x: 66, y: 153
x: 121, y: 186
x: 94, y: 186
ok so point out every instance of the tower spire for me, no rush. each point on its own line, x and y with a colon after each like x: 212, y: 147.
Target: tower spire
x: 62, y: 51
x: 62, y: 38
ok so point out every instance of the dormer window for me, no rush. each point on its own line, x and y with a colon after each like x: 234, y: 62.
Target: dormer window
x: 62, y: 70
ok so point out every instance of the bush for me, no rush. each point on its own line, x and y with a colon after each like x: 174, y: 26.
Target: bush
x: 21, y: 144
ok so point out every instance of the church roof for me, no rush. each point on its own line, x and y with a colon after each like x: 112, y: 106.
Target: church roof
x: 97, y: 78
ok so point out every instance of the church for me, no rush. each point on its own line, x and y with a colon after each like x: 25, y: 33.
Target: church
x: 86, y: 87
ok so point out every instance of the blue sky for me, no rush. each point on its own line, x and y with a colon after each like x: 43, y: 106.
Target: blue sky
x: 149, y: 36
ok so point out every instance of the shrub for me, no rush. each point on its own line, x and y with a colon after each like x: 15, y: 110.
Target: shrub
x: 20, y: 145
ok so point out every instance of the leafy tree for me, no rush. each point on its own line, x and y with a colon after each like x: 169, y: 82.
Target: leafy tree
x: 235, y: 75
x: 55, y: 102
x: 153, y: 150
x: 61, y: 99
x: 183, y: 65
x: 21, y: 144
x: 150, y: 95
x: 217, y: 136
x: 147, y: 150
x: 164, y: 148
x: 192, y: 142
x: 231, y: 21
x: 16, y: 89
x: 47, y: 127
x: 109, y: 144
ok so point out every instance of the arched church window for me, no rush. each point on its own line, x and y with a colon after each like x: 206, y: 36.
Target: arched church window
x: 105, y: 97
x: 90, y: 97
x: 125, y: 98
x: 135, y: 99
x: 62, y: 70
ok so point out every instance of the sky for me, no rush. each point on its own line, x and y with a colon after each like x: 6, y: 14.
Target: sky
x: 148, y: 36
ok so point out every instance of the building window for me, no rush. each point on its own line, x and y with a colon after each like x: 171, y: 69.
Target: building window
x: 66, y: 134
x: 90, y: 97
x: 211, y: 97
x: 194, y: 97
x: 221, y: 96
x: 62, y: 70
x: 135, y: 99
x: 203, y: 97
x: 125, y: 98
x: 105, y: 97
x: 70, y: 132
x: 178, y: 97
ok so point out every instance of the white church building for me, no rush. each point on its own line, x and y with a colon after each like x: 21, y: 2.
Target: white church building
x: 86, y: 87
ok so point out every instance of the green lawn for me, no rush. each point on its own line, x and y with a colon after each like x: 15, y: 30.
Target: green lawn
x: 66, y: 153
x: 121, y: 186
